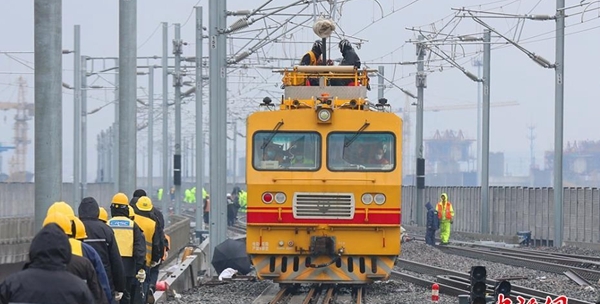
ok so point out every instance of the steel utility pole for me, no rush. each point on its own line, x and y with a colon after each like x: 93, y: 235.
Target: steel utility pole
x: 77, y: 120
x: 150, y: 128
x: 235, y: 158
x: 558, y: 123
x: 421, y: 81
x: 127, y: 95
x: 199, y: 124
x: 477, y: 62
x: 100, y: 158
x: 218, y: 122
x: 177, y: 51
x: 165, y: 121
x: 380, y: 85
x: 110, y: 138
x: 485, y: 144
x: 115, y: 130
x: 48, y: 106
x: 84, y: 151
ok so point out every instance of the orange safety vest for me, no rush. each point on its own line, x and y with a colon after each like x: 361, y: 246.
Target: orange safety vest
x: 440, y: 208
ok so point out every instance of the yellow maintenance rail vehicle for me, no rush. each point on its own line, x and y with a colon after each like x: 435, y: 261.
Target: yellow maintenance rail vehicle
x: 324, y: 180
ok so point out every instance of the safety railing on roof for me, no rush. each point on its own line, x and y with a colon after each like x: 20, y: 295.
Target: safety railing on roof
x: 332, y: 75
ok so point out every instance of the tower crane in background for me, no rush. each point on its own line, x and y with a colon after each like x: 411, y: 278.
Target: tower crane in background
x: 25, y: 111
x: 407, y: 128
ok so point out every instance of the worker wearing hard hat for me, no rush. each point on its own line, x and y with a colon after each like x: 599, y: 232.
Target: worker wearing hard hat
x: 154, y: 243
x: 313, y: 57
x: 78, y: 265
x: 103, y: 215
x: 102, y: 239
x: 157, y: 216
x: 45, y: 277
x: 83, y: 250
x: 131, y: 245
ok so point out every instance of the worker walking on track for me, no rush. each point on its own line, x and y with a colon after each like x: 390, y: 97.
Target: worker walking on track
x: 132, y: 247
x: 102, y: 239
x: 150, y: 226
x: 159, y: 218
x: 446, y: 216
x: 45, y: 277
x: 78, y: 265
x: 433, y: 224
x: 81, y: 249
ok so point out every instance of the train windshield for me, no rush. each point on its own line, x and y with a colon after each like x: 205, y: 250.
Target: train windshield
x: 287, y: 151
x: 366, y: 151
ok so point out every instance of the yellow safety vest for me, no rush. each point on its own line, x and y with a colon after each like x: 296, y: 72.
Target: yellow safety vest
x: 76, y: 247
x: 313, y: 58
x: 123, y: 228
x: 147, y: 225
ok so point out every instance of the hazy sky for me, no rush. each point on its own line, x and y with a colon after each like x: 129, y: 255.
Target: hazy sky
x: 515, y: 77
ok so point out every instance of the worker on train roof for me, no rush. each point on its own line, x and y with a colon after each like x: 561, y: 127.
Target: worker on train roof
x: 349, y: 54
x: 313, y: 56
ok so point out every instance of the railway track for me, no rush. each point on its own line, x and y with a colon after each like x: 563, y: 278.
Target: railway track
x: 554, y: 264
x: 316, y: 294
x: 237, y: 229
x: 457, y: 283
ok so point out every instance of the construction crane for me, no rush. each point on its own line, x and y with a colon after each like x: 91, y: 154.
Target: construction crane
x: 407, y: 144
x: 25, y: 111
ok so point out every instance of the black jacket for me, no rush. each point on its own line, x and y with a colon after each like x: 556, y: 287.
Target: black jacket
x: 45, y: 279
x: 83, y: 268
x: 102, y: 239
x: 132, y: 265
x: 350, y: 57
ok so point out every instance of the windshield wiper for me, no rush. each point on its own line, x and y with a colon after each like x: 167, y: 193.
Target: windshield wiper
x: 346, y: 145
x: 268, y: 141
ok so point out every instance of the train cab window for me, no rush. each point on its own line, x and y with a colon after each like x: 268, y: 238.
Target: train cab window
x: 286, y: 151
x: 366, y: 151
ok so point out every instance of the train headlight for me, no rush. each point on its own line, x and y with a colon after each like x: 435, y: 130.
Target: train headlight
x: 281, y: 243
x: 367, y: 198
x: 280, y: 198
x: 324, y: 115
x: 379, y: 199
x: 267, y: 198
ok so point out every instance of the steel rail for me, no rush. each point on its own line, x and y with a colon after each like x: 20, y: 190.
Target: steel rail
x: 592, y: 275
x: 453, y: 288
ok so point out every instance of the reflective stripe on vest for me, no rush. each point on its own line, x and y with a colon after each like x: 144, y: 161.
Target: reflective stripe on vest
x: 147, y: 225
x: 444, y: 209
x: 123, y: 228
x: 76, y: 247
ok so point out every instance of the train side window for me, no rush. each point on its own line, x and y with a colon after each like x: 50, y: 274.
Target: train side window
x: 367, y: 151
x: 286, y: 151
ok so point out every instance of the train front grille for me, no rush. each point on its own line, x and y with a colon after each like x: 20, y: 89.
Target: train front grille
x: 323, y: 205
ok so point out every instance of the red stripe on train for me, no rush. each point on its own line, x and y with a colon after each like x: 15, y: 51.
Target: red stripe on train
x: 359, y: 218
x: 290, y: 208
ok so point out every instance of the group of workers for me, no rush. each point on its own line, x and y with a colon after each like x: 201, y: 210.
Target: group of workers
x: 314, y: 57
x: 92, y: 258
x: 442, y: 218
